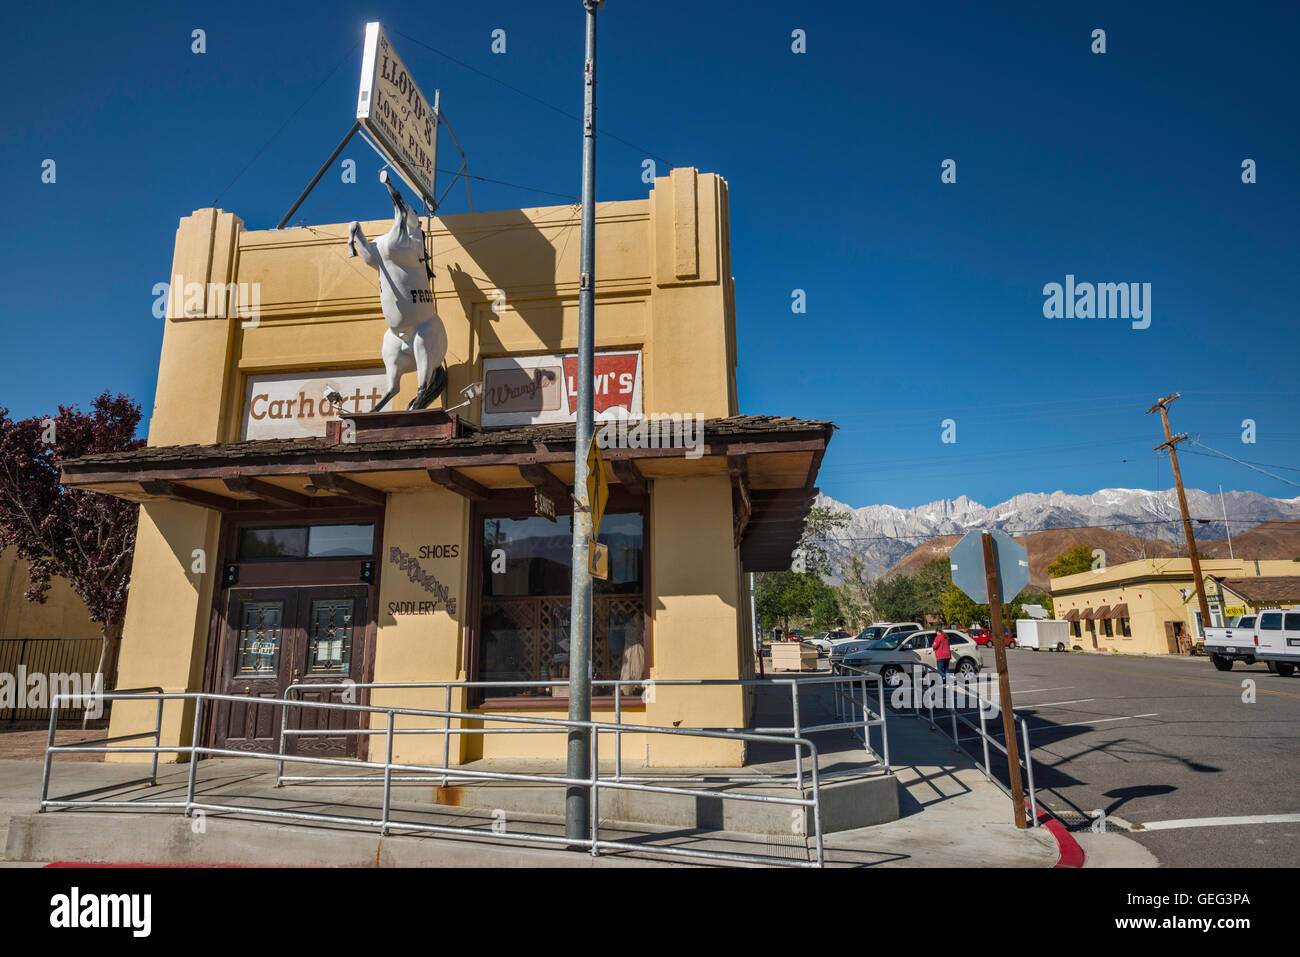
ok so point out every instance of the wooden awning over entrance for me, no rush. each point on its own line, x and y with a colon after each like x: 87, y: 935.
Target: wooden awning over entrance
x: 772, y: 464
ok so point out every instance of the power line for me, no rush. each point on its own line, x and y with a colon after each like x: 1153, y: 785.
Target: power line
x: 535, y: 99
x: 1205, y: 455
x: 333, y: 70
x: 1247, y: 464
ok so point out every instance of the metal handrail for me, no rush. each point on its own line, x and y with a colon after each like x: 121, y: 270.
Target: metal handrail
x: 869, y: 719
x: 1026, y: 756
x: 594, y: 843
x: 101, y: 695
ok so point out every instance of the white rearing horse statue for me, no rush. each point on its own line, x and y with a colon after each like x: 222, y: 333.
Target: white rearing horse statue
x: 416, y: 338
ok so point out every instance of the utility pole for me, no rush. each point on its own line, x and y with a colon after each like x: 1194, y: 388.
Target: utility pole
x: 578, y: 797
x: 1169, y: 444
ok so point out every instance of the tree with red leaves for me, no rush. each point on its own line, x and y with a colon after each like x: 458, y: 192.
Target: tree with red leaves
x: 84, y: 537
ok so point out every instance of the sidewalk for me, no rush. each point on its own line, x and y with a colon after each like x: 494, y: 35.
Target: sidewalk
x: 950, y: 816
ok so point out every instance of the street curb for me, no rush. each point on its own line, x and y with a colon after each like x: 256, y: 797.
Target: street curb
x: 1072, y: 855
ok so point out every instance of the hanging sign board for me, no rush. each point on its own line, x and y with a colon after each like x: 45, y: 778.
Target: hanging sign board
x: 391, y: 108
x: 543, y: 505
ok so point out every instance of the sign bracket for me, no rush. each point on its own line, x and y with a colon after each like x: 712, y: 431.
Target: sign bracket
x: 321, y: 172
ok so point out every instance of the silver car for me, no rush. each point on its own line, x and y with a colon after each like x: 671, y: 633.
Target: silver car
x: 895, y: 655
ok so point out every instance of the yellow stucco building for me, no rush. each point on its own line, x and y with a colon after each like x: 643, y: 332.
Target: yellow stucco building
x: 280, y: 545
x: 62, y: 615
x: 1149, y: 606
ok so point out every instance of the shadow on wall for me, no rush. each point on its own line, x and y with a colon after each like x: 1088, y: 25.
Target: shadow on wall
x: 511, y: 254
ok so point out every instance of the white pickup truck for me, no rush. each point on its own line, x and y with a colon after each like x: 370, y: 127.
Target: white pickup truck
x: 1271, y: 636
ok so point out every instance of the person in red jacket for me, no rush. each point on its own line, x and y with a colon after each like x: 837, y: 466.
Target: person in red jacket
x: 942, y: 651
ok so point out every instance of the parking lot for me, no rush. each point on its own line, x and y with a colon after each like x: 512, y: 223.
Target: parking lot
x: 1199, y: 763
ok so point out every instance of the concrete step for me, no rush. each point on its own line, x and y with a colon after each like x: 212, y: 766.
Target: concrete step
x: 861, y: 801
x: 171, y: 839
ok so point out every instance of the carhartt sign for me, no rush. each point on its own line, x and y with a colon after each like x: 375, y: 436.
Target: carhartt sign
x: 391, y: 108
x: 293, y: 406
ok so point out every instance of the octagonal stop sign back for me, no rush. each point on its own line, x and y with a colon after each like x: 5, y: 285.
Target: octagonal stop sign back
x: 967, y: 561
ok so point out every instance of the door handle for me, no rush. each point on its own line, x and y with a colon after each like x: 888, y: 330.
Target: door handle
x: 248, y: 689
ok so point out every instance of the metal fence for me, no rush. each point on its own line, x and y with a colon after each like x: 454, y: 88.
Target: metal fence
x: 595, y: 783
x: 24, y: 657
x: 852, y: 713
x: 966, y: 708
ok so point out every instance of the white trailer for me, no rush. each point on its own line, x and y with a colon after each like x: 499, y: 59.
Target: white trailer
x: 1038, y: 633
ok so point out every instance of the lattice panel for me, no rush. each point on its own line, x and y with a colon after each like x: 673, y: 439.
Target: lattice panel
x: 543, y: 622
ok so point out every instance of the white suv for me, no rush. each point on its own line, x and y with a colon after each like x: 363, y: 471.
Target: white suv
x: 870, y: 635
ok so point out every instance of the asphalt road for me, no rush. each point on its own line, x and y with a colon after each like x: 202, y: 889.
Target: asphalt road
x: 1164, y: 742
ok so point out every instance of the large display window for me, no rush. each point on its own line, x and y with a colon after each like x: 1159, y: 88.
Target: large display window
x: 525, y: 608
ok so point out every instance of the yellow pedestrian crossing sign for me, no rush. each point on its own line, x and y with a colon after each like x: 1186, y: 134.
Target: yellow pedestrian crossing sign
x: 597, y: 487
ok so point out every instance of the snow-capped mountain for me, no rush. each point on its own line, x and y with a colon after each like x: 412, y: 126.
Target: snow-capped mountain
x: 882, y: 534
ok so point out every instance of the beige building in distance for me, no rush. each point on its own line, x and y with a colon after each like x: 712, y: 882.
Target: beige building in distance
x: 1149, y: 606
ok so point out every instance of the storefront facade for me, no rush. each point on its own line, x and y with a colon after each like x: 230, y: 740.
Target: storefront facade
x: 1148, y: 606
x: 278, y: 545
x: 1233, y: 597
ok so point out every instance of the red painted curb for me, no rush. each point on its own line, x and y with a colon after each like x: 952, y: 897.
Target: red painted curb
x: 84, y: 864
x: 1071, y: 853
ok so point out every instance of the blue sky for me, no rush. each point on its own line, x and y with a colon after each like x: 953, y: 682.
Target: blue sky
x: 924, y: 299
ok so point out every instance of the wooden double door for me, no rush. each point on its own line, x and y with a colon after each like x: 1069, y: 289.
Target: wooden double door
x: 276, y: 637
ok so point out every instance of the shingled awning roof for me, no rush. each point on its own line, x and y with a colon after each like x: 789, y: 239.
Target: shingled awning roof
x: 772, y: 463
x: 1266, y: 590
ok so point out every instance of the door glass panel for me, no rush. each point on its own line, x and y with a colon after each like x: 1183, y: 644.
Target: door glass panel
x: 340, y: 541
x: 329, y: 646
x: 258, y: 652
x: 255, y: 543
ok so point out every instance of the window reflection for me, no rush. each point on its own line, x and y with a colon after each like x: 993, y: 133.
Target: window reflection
x: 525, y: 621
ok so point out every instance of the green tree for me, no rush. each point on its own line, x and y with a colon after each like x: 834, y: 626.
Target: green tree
x: 1034, y: 598
x: 782, y: 596
x: 931, y: 581
x: 789, y: 595
x: 959, y: 610
x: 895, y: 598
x: 826, y: 612
x: 1077, y: 558
x: 855, y: 593
x: 818, y: 530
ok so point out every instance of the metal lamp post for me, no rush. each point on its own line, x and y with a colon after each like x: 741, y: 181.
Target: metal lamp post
x: 576, y: 806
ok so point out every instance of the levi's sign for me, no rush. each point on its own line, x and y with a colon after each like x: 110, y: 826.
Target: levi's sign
x: 396, y: 114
